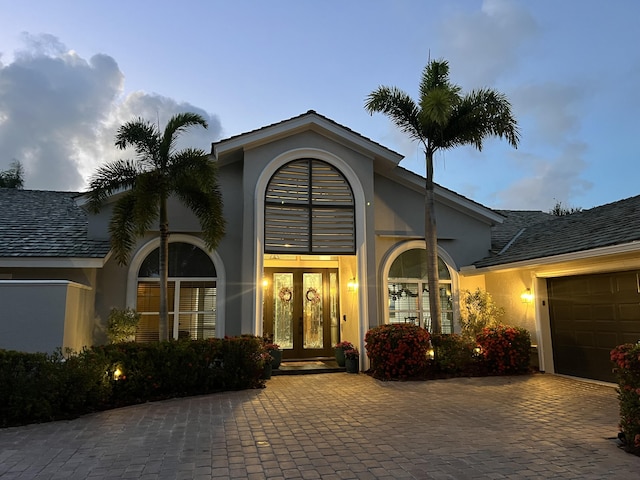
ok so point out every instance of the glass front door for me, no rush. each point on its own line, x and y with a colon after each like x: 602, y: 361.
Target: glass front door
x: 301, y: 310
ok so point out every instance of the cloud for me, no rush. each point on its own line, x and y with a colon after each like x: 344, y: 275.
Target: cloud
x: 59, y: 113
x: 482, y: 46
x: 548, y: 181
x: 552, y: 109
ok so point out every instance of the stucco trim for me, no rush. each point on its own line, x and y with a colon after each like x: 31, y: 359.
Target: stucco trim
x: 221, y: 277
x: 593, y: 254
x: 360, y: 214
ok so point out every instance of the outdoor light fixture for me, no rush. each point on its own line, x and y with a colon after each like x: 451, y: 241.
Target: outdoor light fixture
x: 352, y: 286
x: 265, y: 282
x: 117, y: 373
x: 527, y: 296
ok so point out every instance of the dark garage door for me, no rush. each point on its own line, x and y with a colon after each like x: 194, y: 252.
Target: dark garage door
x: 590, y: 315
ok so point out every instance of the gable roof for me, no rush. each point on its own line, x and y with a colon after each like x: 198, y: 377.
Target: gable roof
x: 45, y: 224
x: 514, y: 222
x: 386, y: 161
x: 614, y: 224
x: 311, y: 120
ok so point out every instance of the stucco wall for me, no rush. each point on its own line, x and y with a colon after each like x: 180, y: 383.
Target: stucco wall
x: 33, y: 315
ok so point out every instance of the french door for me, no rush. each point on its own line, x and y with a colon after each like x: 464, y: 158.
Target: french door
x: 301, y: 310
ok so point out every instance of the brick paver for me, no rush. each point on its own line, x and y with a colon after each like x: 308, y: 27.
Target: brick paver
x: 340, y: 426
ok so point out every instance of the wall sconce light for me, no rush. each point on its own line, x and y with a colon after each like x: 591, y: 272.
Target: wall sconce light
x: 265, y: 282
x: 527, y: 296
x: 352, y: 286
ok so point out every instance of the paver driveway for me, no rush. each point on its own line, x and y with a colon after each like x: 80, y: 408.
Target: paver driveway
x: 340, y: 426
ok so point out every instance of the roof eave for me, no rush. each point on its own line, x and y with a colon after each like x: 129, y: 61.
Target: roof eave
x: 594, y: 253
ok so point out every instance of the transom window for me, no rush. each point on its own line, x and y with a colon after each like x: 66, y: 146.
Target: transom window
x: 309, y: 209
x: 192, y: 300
x: 408, y: 291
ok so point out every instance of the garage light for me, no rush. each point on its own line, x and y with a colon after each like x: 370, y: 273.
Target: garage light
x: 527, y: 296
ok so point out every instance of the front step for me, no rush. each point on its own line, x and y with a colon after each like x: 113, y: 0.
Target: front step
x: 308, y: 367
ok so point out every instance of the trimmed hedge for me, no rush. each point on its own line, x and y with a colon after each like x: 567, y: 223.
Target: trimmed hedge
x: 626, y: 359
x: 506, y: 350
x: 38, y: 387
x: 398, y: 351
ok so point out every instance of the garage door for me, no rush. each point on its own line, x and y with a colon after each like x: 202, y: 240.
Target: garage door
x: 590, y: 315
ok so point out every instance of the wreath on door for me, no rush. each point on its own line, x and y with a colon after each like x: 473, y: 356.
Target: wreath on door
x: 285, y: 294
x: 312, y: 296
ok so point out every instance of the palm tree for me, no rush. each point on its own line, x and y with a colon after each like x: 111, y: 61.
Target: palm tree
x: 444, y: 118
x: 146, y: 183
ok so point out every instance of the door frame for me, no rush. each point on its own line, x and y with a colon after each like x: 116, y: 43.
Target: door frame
x: 298, y: 351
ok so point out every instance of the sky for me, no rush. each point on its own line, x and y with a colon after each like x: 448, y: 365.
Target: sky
x: 71, y: 72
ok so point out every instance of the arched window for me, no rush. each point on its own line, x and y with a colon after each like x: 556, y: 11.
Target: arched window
x: 192, y: 294
x: 309, y: 209
x: 408, y: 291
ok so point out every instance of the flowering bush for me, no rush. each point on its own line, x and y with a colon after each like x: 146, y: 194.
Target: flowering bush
x: 345, y: 345
x: 505, y: 349
x: 352, y: 353
x: 397, y: 351
x: 271, y: 346
x: 626, y: 359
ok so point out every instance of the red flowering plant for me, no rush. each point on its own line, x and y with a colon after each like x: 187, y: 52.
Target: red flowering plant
x: 345, y: 345
x: 506, y: 350
x: 352, y: 353
x: 398, y: 351
x: 626, y: 360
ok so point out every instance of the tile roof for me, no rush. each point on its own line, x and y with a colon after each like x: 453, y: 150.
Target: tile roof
x: 36, y: 223
x: 514, y: 222
x: 616, y: 223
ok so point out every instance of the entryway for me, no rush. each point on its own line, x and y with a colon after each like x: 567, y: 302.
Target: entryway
x: 301, y: 310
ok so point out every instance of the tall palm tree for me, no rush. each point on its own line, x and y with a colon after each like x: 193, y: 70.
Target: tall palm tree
x: 146, y: 183
x: 442, y: 119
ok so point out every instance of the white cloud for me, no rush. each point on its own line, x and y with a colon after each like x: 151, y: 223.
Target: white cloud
x: 482, y: 46
x: 59, y: 113
x: 547, y: 181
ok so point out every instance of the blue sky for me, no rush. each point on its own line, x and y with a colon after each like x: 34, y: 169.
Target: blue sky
x: 72, y: 71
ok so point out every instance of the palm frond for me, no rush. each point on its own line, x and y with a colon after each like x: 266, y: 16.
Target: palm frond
x: 109, y: 179
x: 122, y: 228
x: 196, y: 185
x: 142, y: 135
x: 176, y: 125
x: 480, y: 114
x: 399, y: 107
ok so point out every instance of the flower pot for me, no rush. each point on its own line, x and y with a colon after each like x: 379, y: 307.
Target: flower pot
x: 267, y: 371
x: 352, y: 364
x: 340, y: 356
x: 276, y: 356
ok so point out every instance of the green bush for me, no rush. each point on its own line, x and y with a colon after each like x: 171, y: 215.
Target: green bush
x: 38, y: 387
x: 122, y: 325
x: 626, y: 359
x: 455, y: 354
x: 398, y: 351
x: 505, y: 350
x: 478, y: 311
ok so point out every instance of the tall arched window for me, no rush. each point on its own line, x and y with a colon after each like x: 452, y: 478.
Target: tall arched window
x: 309, y: 209
x: 192, y: 294
x: 408, y: 291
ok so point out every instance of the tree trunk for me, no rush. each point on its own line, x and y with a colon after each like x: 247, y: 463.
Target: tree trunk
x: 163, y: 324
x: 431, y: 240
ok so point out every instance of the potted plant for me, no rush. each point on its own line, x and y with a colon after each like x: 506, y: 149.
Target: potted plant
x: 273, y: 349
x: 352, y: 360
x: 339, y: 351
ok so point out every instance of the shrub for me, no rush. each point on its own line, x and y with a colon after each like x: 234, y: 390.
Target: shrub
x: 455, y: 354
x: 478, y: 311
x: 626, y: 359
x: 506, y: 350
x: 39, y: 387
x: 397, y: 351
x: 122, y: 325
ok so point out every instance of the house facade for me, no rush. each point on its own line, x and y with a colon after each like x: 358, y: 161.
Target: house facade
x: 324, y: 241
